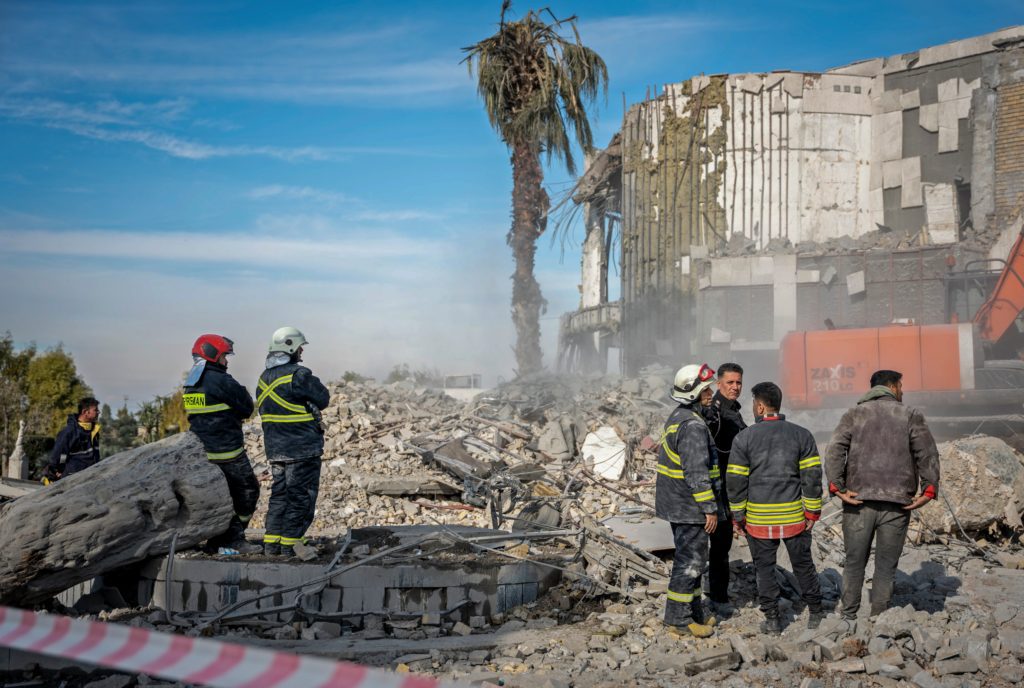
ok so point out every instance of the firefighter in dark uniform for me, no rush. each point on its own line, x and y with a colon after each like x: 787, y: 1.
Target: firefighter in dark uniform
x: 774, y: 479
x: 688, y: 494
x: 217, y: 406
x: 290, y: 398
x: 78, y: 443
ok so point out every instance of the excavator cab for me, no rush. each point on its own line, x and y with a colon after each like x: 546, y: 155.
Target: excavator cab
x: 970, y: 289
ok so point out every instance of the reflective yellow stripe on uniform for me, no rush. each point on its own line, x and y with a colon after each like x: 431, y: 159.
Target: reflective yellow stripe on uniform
x: 812, y: 504
x: 781, y: 514
x: 715, y: 472
x: 705, y: 496
x: 224, y: 456
x: 272, y: 539
x: 196, y: 403
x: 738, y: 506
x: 810, y: 462
x: 280, y: 418
x: 289, y: 541
x: 737, y: 469
x: 685, y: 597
x: 268, y: 391
x: 671, y: 472
x: 664, y: 444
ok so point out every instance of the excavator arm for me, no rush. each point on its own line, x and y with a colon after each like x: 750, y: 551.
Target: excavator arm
x: 1006, y: 302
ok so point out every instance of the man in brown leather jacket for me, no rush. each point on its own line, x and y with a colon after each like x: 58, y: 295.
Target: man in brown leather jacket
x: 883, y: 463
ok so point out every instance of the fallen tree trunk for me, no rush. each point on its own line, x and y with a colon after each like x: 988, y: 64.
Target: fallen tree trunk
x: 124, y: 509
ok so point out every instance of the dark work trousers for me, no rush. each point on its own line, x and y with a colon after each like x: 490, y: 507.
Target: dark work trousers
x: 684, y: 593
x: 718, y: 562
x: 886, y: 523
x: 764, y: 552
x: 292, y: 499
x: 245, y: 492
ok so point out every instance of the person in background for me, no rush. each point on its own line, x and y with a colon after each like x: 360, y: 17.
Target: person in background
x: 77, y: 446
x: 723, y: 416
x: 880, y: 455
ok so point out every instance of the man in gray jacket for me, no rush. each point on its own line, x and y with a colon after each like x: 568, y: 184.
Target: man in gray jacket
x: 883, y: 463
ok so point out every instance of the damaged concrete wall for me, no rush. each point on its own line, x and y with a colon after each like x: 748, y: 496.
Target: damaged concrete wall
x: 748, y: 303
x: 919, y: 143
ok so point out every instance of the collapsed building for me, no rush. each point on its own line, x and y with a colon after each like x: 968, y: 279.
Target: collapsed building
x: 747, y: 206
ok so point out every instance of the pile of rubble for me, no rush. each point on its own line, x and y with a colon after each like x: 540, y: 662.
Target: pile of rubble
x: 567, y: 465
x: 397, y: 454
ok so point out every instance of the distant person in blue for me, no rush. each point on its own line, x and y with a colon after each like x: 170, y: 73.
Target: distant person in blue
x: 78, y: 443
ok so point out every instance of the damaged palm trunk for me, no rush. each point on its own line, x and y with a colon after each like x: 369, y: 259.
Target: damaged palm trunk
x: 529, y: 218
x: 125, y: 509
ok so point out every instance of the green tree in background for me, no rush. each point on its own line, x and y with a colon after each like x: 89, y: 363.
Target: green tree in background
x: 54, y: 390
x: 13, y: 391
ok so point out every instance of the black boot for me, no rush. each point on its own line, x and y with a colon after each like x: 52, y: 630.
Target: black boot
x: 772, y: 625
x: 271, y: 549
x: 815, y: 617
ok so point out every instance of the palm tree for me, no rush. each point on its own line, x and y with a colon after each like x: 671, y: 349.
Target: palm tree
x: 534, y: 81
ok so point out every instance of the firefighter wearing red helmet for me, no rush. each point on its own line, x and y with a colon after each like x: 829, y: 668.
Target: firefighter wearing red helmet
x: 217, y: 405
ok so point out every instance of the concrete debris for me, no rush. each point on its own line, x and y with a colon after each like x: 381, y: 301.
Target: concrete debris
x: 605, y: 453
x: 986, y: 486
x: 527, y: 458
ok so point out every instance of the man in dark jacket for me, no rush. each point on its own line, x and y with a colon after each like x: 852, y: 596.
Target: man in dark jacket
x: 880, y: 456
x: 774, y: 484
x: 290, y: 399
x: 217, y: 406
x: 78, y: 443
x: 688, y: 494
x: 725, y: 421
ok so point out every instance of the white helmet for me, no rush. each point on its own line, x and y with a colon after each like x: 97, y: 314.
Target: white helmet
x: 287, y: 339
x: 690, y: 381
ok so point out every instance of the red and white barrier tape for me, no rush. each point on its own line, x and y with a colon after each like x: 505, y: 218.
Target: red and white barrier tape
x: 191, y: 660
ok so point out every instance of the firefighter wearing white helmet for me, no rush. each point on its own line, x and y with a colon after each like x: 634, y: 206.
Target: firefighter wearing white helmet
x: 689, y: 496
x: 290, y: 398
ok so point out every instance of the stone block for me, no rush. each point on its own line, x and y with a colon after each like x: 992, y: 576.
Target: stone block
x: 461, y: 629
x: 712, y: 658
x: 892, y: 174
x: 928, y: 117
x: 924, y: 679
x: 478, y: 657
x: 326, y: 629
x: 752, y: 653
x: 855, y: 283
x: 956, y: 666
x: 830, y: 649
x: 910, y: 99
x: 910, y: 191
x: 853, y: 665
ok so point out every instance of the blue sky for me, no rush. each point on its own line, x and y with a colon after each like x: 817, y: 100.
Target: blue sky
x: 173, y: 168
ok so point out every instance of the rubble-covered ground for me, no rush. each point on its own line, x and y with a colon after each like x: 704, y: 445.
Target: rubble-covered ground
x: 540, y: 456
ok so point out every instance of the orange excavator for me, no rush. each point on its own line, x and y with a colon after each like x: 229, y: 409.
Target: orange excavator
x: 965, y: 375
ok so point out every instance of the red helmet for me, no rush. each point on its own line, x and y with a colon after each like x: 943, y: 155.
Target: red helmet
x: 212, y: 346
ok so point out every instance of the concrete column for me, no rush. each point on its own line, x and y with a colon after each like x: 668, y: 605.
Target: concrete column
x: 593, y: 257
x: 17, y: 463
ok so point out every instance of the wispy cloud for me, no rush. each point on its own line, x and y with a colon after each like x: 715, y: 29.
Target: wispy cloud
x: 318, y: 252
x: 137, y: 122
x: 357, y: 208
x: 83, y: 46
x: 298, y: 193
